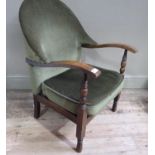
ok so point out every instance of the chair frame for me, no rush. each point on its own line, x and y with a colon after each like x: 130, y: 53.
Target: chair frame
x: 81, y: 119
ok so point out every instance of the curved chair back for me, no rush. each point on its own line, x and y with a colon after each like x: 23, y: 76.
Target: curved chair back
x: 53, y: 33
x: 52, y: 30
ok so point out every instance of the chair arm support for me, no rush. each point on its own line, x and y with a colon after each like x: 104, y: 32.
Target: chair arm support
x: 86, y: 68
x: 123, y: 62
x: 112, y: 45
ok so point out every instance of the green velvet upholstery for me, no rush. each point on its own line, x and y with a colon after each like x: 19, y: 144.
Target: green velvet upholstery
x: 52, y: 33
x: 38, y: 74
x: 64, y: 89
x: 52, y: 30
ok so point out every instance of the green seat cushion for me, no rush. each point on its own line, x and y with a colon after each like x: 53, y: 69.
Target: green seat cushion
x: 64, y: 89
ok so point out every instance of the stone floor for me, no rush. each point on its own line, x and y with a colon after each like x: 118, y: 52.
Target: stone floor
x: 121, y: 133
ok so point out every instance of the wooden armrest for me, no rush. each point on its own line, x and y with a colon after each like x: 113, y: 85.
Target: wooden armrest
x: 88, y: 69
x: 115, y: 45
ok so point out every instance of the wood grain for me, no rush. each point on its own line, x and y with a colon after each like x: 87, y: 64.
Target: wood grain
x: 124, y: 62
x: 82, y: 115
x: 86, y: 68
x: 111, y: 45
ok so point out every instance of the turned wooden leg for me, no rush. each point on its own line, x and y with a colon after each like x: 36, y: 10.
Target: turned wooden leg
x: 116, y: 99
x: 36, y: 107
x: 122, y: 71
x: 81, y: 127
x: 82, y: 115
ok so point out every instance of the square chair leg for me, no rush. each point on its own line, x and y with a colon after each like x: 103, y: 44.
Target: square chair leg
x: 36, y: 107
x: 116, y: 99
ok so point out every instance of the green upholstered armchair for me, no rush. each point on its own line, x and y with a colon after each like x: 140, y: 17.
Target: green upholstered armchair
x: 60, y: 80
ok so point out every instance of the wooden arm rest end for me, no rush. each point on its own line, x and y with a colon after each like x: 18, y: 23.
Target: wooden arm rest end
x: 92, y: 71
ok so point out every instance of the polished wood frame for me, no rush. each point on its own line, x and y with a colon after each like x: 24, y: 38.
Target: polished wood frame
x: 81, y: 119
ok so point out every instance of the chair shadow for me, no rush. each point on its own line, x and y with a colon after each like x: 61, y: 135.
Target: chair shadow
x: 49, y: 119
x: 63, y: 138
x: 55, y: 130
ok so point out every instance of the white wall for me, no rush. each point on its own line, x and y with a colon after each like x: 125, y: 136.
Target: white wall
x: 106, y: 21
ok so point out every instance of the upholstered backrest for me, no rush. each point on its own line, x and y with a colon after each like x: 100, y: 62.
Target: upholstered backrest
x: 52, y: 30
x: 52, y: 33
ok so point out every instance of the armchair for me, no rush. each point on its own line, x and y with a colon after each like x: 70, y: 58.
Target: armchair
x: 60, y: 80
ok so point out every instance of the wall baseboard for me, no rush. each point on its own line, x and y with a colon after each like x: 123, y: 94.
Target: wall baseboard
x: 23, y: 82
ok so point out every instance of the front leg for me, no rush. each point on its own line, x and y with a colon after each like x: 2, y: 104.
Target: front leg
x: 82, y: 115
x: 81, y: 126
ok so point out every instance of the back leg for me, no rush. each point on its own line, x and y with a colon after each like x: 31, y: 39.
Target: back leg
x: 36, y: 107
x: 116, y: 99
